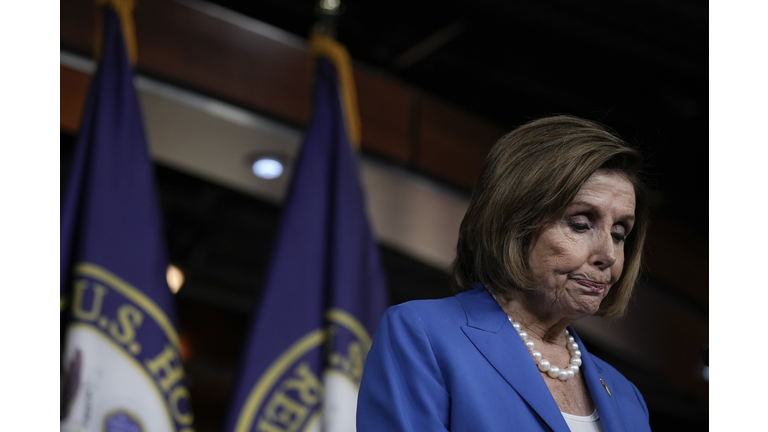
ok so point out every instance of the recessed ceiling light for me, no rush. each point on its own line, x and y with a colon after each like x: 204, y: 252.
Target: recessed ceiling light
x: 267, y: 168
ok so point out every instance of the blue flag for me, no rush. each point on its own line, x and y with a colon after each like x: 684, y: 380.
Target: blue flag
x: 121, y: 363
x: 324, y: 294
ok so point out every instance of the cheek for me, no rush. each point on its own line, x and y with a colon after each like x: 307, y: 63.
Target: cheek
x: 559, y: 256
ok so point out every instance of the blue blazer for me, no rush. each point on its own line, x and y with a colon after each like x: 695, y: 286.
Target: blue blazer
x: 457, y: 364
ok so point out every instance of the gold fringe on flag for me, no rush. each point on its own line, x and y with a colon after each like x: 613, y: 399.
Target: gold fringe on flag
x: 321, y: 45
x: 124, y: 9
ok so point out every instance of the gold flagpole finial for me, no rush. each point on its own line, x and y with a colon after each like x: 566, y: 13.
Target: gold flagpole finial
x: 124, y: 10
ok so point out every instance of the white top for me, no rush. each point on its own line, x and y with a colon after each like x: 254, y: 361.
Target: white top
x: 590, y: 423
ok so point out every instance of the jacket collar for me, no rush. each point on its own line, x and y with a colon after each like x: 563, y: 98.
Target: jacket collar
x: 490, y: 331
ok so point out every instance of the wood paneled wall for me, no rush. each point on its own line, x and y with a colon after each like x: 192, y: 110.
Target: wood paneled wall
x: 190, y: 48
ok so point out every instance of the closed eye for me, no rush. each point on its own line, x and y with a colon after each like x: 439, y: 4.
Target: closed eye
x: 579, y: 227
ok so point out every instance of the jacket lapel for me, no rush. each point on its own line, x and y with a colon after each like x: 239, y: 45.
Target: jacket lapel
x: 605, y: 403
x: 492, y: 334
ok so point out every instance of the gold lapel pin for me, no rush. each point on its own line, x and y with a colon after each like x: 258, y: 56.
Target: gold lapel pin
x: 606, y: 387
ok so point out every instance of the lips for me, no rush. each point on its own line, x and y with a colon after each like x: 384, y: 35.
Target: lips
x: 591, y: 285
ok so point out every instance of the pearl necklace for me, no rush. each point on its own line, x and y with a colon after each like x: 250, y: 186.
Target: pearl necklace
x: 544, y: 366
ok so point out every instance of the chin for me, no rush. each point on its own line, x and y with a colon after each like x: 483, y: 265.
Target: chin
x: 587, y: 310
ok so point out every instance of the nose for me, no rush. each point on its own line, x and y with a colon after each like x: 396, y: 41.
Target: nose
x: 604, y: 251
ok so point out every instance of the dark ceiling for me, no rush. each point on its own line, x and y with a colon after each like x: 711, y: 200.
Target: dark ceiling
x: 639, y: 67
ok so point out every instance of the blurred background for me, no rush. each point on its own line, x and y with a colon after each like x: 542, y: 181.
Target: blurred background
x: 225, y: 83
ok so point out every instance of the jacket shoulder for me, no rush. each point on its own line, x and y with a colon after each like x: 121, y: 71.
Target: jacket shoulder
x: 433, y: 310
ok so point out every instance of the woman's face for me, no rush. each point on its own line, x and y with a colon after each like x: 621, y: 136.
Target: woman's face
x: 577, y: 259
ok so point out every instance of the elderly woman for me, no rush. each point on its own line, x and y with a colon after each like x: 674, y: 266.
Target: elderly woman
x: 554, y: 233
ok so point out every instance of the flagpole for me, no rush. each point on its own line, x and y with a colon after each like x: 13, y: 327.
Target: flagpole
x: 325, y: 291
x: 322, y: 43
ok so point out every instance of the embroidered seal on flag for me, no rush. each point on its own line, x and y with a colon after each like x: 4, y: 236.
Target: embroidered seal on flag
x: 292, y: 395
x: 115, y: 328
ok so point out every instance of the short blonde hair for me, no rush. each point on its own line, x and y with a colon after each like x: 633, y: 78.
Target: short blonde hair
x: 528, y: 180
